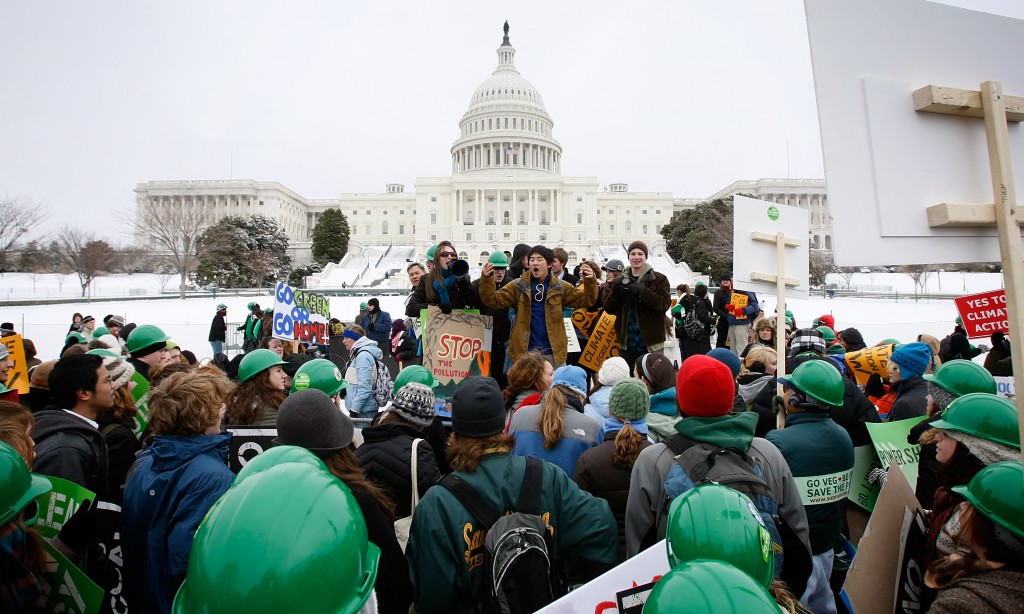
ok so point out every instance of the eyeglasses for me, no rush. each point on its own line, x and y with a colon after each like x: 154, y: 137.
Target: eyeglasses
x: 447, y: 254
x: 540, y: 293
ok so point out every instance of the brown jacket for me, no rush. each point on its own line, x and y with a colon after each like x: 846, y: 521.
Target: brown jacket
x: 518, y: 295
x: 651, y: 305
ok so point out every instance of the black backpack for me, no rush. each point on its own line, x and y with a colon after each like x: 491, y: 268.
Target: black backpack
x: 518, y: 573
x: 692, y: 326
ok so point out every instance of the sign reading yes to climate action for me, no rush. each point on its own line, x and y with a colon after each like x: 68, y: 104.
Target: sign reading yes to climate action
x: 300, y: 315
x: 984, y: 313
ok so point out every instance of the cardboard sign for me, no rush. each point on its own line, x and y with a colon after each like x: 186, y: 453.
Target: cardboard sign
x: 602, y: 594
x: 53, y: 509
x: 603, y: 343
x: 890, y: 440
x: 570, y: 336
x: 300, y: 315
x: 65, y: 587
x: 869, y: 361
x: 584, y: 320
x: 740, y: 301
x: 910, y: 594
x: 455, y: 346
x: 246, y: 444
x: 871, y: 583
x: 17, y: 378
x: 140, y: 394
x: 862, y: 492
x: 984, y: 313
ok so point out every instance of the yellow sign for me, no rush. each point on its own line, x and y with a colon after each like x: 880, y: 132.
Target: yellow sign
x: 17, y: 378
x: 740, y: 302
x: 869, y: 361
x: 584, y: 320
x: 603, y: 343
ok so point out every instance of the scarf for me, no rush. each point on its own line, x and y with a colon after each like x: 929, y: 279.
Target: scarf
x: 396, y: 341
x: 443, y: 288
x: 614, y: 425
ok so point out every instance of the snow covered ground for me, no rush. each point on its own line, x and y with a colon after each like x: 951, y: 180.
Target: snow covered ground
x: 188, y: 321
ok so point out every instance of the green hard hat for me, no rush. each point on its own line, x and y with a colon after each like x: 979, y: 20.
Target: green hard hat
x: 709, y: 587
x: 99, y: 331
x: 320, y: 374
x: 499, y: 260
x: 716, y: 522
x: 78, y: 337
x: 430, y: 251
x: 828, y: 333
x: 221, y: 306
x: 890, y: 341
x: 279, y: 455
x: 983, y: 415
x: 962, y: 377
x: 145, y: 336
x: 362, y: 305
x: 789, y: 314
x: 104, y: 352
x: 19, y: 486
x: 268, y: 311
x: 818, y: 380
x: 414, y: 373
x: 249, y: 306
x: 997, y: 491
x: 285, y: 537
x: 256, y: 362
x: 959, y: 320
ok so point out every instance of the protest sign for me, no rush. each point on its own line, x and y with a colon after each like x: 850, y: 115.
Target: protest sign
x: 17, y: 378
x: 455, y: 346
x: 869, y: 361
x: 140, y: 394
x: 53, y: 509
x: 829, y: 488
x: 862, y: 492
x: 603, y: 343
x: 983, y: 314
x: 1005, y: 387
x: 584, y: 320
x: 570, y: 336
x: 246, y: 444
x: 739, y: 302
x: 602, y: 594
x: 890, y: 440
x: 300, y: 315
x: 871, y: 583
x: 65, y: 588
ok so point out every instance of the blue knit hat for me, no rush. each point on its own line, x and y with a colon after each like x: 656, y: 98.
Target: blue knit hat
x: 728, y: 358
x: 912, y: 359
x: 571, y: 377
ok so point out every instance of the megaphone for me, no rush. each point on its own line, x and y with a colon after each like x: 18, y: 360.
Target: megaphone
x: 459, y: 268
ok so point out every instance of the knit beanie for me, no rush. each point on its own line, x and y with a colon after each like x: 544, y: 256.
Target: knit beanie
x: 4, y: 353
x: 705, y: 388
x: 39, y: 376
x: 629, y: 400
x: 88, y: 319
x: 571, y: 377
x: 913, y: 359
x: 826, y: 320
x: 613, y: 371
x: 852, y: 338
x: 120, y: 371
x: 478, y: 410
x: 940, y: 396
x: 310, y: 419
x: 638, y: 245
x: 415, y: 404
x: 728, y: 358
x: 111, y: 342
x: 373, y: 302
x: 987, y: 451
x: 807, y: 340
x: 118, y: 320
x: 658, y: 370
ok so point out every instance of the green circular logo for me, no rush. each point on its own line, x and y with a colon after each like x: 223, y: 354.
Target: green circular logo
x: 773, y: 213
x: 301, y: 381
x: 766, y: 544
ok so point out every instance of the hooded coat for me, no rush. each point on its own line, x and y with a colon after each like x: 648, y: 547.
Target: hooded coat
x: 365, y: 354
x: 386, y: 459
x: 175, y: 483
x: 68, y: 447
x: 650, y: 305
x: 911, y: 399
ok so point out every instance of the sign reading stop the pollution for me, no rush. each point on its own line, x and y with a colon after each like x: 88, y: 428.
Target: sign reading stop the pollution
x: 983, y: 314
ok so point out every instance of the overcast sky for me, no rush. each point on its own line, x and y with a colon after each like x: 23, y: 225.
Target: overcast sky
x: 330, y: 97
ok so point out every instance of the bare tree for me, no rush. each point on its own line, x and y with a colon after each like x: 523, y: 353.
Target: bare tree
x: 847, y: 273
x: 171, y: 229
x: 17, y: 217
x: 821, y: 264
x: 86, y: 256
x: 919, y: 273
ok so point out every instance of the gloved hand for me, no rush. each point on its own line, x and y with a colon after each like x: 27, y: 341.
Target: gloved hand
x: 878, y: 476
x: 730, y: 307
x: 446, y: 308
x: 984, y: 348
x: 778, y: 404
x: 874, y: 386
x: 634, y: 289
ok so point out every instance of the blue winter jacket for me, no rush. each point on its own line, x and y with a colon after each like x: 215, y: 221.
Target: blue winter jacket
x: 359, y: 398
x: 750, y: 310
x: 174, y: 484
x: 379, y: 331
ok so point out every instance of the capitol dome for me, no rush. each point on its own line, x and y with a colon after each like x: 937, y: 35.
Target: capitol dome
x: 506, y: 129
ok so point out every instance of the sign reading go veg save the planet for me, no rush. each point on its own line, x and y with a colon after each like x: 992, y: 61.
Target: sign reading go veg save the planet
x: 300, y: 315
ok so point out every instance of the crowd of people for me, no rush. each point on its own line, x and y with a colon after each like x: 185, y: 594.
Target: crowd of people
x: 545, y: 475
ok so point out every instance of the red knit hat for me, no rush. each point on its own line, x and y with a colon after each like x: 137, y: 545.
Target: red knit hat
x: 705, y: 388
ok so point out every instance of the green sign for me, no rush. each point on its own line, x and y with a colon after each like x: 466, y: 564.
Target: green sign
x: 773, y: 213
x: 66, y: 588
x: 140, y: 394
x: 863, y: 492
x: 890, y: 439
x: 55, y: 507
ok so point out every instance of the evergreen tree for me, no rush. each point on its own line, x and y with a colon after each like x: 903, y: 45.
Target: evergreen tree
x: 330, y: 237
x: 702, y: 237
x: 243, y: 252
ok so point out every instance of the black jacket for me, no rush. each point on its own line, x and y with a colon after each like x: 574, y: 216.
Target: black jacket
x: 928, y: 479
x: 68, y: 447
x: 406, y: 352
x: 912, y: 400
x: 140, y: 367
x: 393, y: 586
x: 385, y: 457
x: 122, y: 445
x: 957, y: 345
x: 218, y: 329
x: 460, y: 297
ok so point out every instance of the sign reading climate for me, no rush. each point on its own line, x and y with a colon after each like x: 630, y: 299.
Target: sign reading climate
x: 300, y: 315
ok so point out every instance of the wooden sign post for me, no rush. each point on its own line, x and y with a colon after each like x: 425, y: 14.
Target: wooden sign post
x: 990, y: 104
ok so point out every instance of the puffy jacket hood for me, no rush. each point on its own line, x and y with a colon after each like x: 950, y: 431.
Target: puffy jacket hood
x: 53, y: 419
x: 750, y: 388
x: 664, y: 402
x: 169, y: 452
x: 365, y: 343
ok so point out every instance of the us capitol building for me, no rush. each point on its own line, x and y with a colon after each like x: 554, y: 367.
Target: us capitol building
x: 506, y: 187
